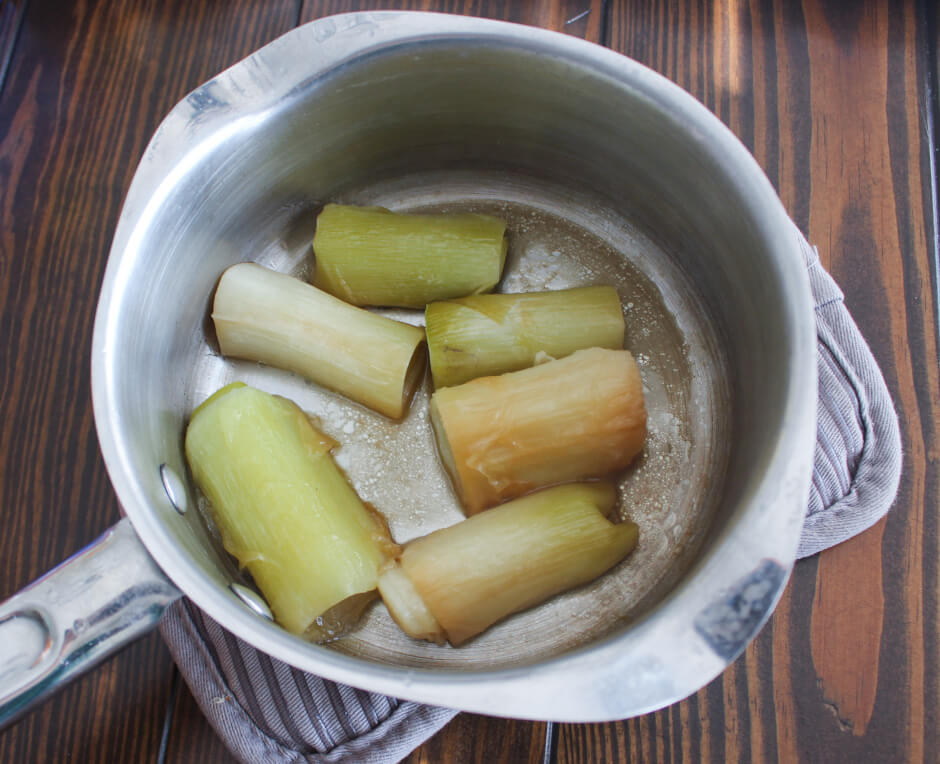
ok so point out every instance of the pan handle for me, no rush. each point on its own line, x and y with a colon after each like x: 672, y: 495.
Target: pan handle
x: 79, y: 613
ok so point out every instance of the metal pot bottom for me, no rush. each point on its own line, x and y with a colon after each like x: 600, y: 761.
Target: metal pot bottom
x: 558, y: 238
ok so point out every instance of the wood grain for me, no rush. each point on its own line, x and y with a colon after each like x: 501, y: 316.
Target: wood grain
x: 581, y: 18
x: 12, y: 13
x: 830, y: 98
x: 190, y: 737
x: 838, y: 642
x: 87, y: 85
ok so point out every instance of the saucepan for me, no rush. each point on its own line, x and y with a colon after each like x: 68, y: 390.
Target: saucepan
x: 606, y: 173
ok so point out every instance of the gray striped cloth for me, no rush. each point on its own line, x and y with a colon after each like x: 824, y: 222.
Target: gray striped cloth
x: 857, y: 464
x: 266, y: 711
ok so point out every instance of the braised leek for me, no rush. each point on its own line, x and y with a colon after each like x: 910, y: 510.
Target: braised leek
x: 578, y: 417
x: 491, y: 334
x: 284, y: 509
x: 266, y: 316
x: 472, y: 574
x: 371, y: 256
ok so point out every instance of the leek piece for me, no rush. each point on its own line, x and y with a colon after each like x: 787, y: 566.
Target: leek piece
x: 371, y: 256
x: 266, y: 316
x: 284, y: 509
x: 494, y: 333
x: 406, y: 606
x: 517, y: 555
x: 579, y: 417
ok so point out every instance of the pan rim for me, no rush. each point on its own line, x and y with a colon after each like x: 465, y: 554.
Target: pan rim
x: 503, y: 691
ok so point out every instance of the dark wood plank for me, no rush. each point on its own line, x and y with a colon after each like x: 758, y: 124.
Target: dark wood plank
x: 483, y: 740
x: 12, y: 13
x: 114, y: 714
x: 191, y: 737
x: 830, y: 98
x: 581, y: 18
x: 87, y: 85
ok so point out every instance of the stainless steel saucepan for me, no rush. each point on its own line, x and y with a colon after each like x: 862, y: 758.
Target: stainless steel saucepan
x: 606, y: 173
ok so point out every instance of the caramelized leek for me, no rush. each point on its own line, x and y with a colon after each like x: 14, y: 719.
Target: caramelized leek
x: 266, y: 316
x: 474, y: 573
x: 284, y: 509
x: 370, y: 256
x: 579, y: 417
x: 494, y: 333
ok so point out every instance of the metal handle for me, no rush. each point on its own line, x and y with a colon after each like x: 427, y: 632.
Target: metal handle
x: 76, y: 615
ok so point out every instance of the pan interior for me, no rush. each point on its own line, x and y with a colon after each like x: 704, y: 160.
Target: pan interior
x: 558, y: 239
x: 600, y: 184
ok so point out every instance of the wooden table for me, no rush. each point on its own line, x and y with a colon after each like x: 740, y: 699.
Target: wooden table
x: 837, y: 101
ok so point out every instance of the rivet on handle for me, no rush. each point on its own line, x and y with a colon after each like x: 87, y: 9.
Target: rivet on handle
x: 252, y: 599
x: 175, y: 489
